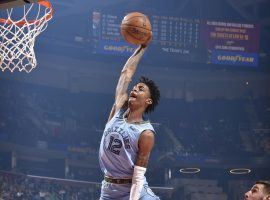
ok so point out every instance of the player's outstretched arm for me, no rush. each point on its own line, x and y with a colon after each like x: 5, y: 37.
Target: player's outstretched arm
x: 125, y: 78
x: 146, y: 143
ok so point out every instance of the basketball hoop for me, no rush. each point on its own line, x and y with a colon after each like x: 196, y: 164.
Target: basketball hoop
x: 17, y: 36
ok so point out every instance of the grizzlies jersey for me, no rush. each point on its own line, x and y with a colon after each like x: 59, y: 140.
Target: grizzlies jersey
x: 119, y: 146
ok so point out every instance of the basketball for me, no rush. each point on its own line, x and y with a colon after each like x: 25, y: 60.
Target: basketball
x: 136, y: 28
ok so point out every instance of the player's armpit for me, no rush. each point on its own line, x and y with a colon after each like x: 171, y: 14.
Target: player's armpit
x: 120, y: 102
x: 146, y: 143
x: 116, y: 107
x: 111, y: 113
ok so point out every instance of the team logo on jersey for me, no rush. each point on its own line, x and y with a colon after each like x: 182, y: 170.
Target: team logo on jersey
x: 116, y: 138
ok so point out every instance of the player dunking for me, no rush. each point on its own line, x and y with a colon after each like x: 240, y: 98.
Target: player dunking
x: 127, y: 139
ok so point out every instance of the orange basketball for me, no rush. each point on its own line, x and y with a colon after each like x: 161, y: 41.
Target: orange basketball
x: 136, y: 28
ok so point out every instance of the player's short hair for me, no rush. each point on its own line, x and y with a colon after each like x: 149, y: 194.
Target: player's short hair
x: 266, y: 188
x: 154, y: 93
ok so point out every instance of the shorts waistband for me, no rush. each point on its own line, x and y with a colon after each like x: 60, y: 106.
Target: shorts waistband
x: 117, y: 181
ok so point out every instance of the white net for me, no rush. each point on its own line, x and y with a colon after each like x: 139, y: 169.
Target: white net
x: 18, y: 32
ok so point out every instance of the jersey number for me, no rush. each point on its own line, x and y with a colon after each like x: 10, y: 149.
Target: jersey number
x: 114, y: 145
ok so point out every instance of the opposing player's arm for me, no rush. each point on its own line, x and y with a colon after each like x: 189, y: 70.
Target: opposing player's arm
x: 126, y: 75
x: 146, y: 143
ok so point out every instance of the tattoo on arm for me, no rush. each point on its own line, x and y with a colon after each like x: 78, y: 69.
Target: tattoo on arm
x: 127, y: 73
x: 146, y: 143
x: 142, y: 160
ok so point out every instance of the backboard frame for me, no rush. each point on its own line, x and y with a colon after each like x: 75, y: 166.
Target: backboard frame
x: 7, y: 4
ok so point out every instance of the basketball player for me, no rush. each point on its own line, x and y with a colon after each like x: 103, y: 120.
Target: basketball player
x: 260, y: 191
x: 128, y: 139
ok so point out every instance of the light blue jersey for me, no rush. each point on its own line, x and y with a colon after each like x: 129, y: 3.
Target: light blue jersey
x: 117, y: 156
x: 119, y: 146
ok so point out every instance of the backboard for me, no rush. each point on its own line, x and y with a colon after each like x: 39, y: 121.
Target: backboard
x: 5, y: 4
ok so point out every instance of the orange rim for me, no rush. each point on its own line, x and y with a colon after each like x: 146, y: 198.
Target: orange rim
x: 44, y: 3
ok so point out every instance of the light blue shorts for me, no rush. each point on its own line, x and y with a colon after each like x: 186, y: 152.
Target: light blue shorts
x: 112, y: 191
